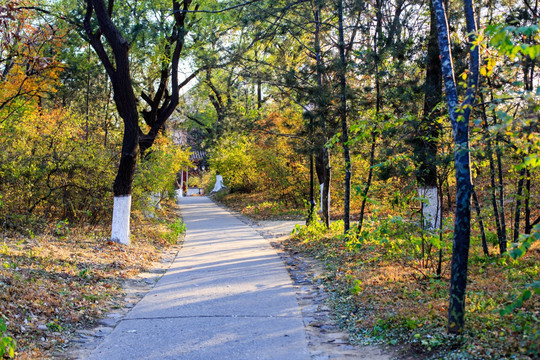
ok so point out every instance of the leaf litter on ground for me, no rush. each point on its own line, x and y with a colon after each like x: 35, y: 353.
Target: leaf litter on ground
x: 52, y: 285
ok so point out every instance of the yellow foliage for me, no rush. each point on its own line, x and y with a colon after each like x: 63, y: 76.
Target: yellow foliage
x: 29, y: 67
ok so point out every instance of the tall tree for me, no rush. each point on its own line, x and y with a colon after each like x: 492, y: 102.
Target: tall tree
x: 343, y: 116
x: 115, y: 57
x: 322, y: 162
x: 428, y: 132
x: 459, y: 117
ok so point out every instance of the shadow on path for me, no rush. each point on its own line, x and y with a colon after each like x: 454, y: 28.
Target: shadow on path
x: 226, y: 296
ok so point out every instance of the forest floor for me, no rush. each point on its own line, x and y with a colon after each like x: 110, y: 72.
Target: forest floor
x: 382, y: 293
x: 63, y: 280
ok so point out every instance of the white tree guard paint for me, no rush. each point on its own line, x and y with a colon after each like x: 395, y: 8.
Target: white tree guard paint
x: 182, y: 183
x: 178, y: 194
x: 431, y: 207
x: 120, y: 222
x: 219, y: 183
x: 322, y: 191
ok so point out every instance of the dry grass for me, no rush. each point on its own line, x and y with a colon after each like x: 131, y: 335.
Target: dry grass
x: 69, y: 276
x: 258, y: 206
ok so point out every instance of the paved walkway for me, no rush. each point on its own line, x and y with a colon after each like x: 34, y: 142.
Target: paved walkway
x: 226, y: 296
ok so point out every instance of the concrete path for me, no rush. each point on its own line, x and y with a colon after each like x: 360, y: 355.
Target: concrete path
x: 226, y: 296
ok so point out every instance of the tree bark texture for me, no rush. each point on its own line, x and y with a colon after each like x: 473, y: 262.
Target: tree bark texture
x: 323, y: 155
x: 480, y: 223
x: 427, y: 140
x: 343, y: 118
x: 459, y: 117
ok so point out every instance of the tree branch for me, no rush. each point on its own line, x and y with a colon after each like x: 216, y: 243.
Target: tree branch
x: 178, y: 36
x: 207, y: 128
x: 94, y: 40
x: 185, y: 11
x: 191, y: 77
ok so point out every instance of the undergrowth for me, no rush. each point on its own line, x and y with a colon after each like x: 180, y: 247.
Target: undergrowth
x: 258, y: 206
x: 385, y: 287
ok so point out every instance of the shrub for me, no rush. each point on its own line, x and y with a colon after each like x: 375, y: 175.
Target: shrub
x: 234, y: 160
x: 157, y: 173
x: 50, y: 169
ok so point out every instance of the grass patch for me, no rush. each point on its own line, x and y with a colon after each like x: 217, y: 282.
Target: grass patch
x: 59, y: 281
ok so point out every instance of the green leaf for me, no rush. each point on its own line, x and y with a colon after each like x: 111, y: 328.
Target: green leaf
x: 526, y: 295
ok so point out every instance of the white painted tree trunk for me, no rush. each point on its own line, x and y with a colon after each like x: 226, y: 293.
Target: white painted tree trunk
x: 120, y: 222
x: 431, y: 207
x: 182, y: 183
x: 219, y: 183
x: 178, y: 194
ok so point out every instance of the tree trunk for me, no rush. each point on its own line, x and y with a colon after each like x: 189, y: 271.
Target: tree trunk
x: 427, y: 141
x: 123, y: 183
x: 502, y: 240
x: 323, y: 174
x: 528, y: 226
x: 323, y: 155
x: 493, y: 190
x: 519, y: 194
x: 116, y: 63
x: 480, y: 223
x: 498, y: 208
x: 378, y: 104
x: 326, y: 190
x: 459, y: 116
x: 439, y: 262
x: 343, y: 117
x: 368, y: 182
x: 311, y: 190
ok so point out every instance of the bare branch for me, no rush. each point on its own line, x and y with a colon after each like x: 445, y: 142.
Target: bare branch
x: 206, y: 127
x: 190, y: 77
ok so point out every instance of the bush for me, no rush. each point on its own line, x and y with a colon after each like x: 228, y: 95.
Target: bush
x: 157, y: 173
x: 175, y: 229
x: 50, y: 169
x: 208, y: 180
x: 234, y: 160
